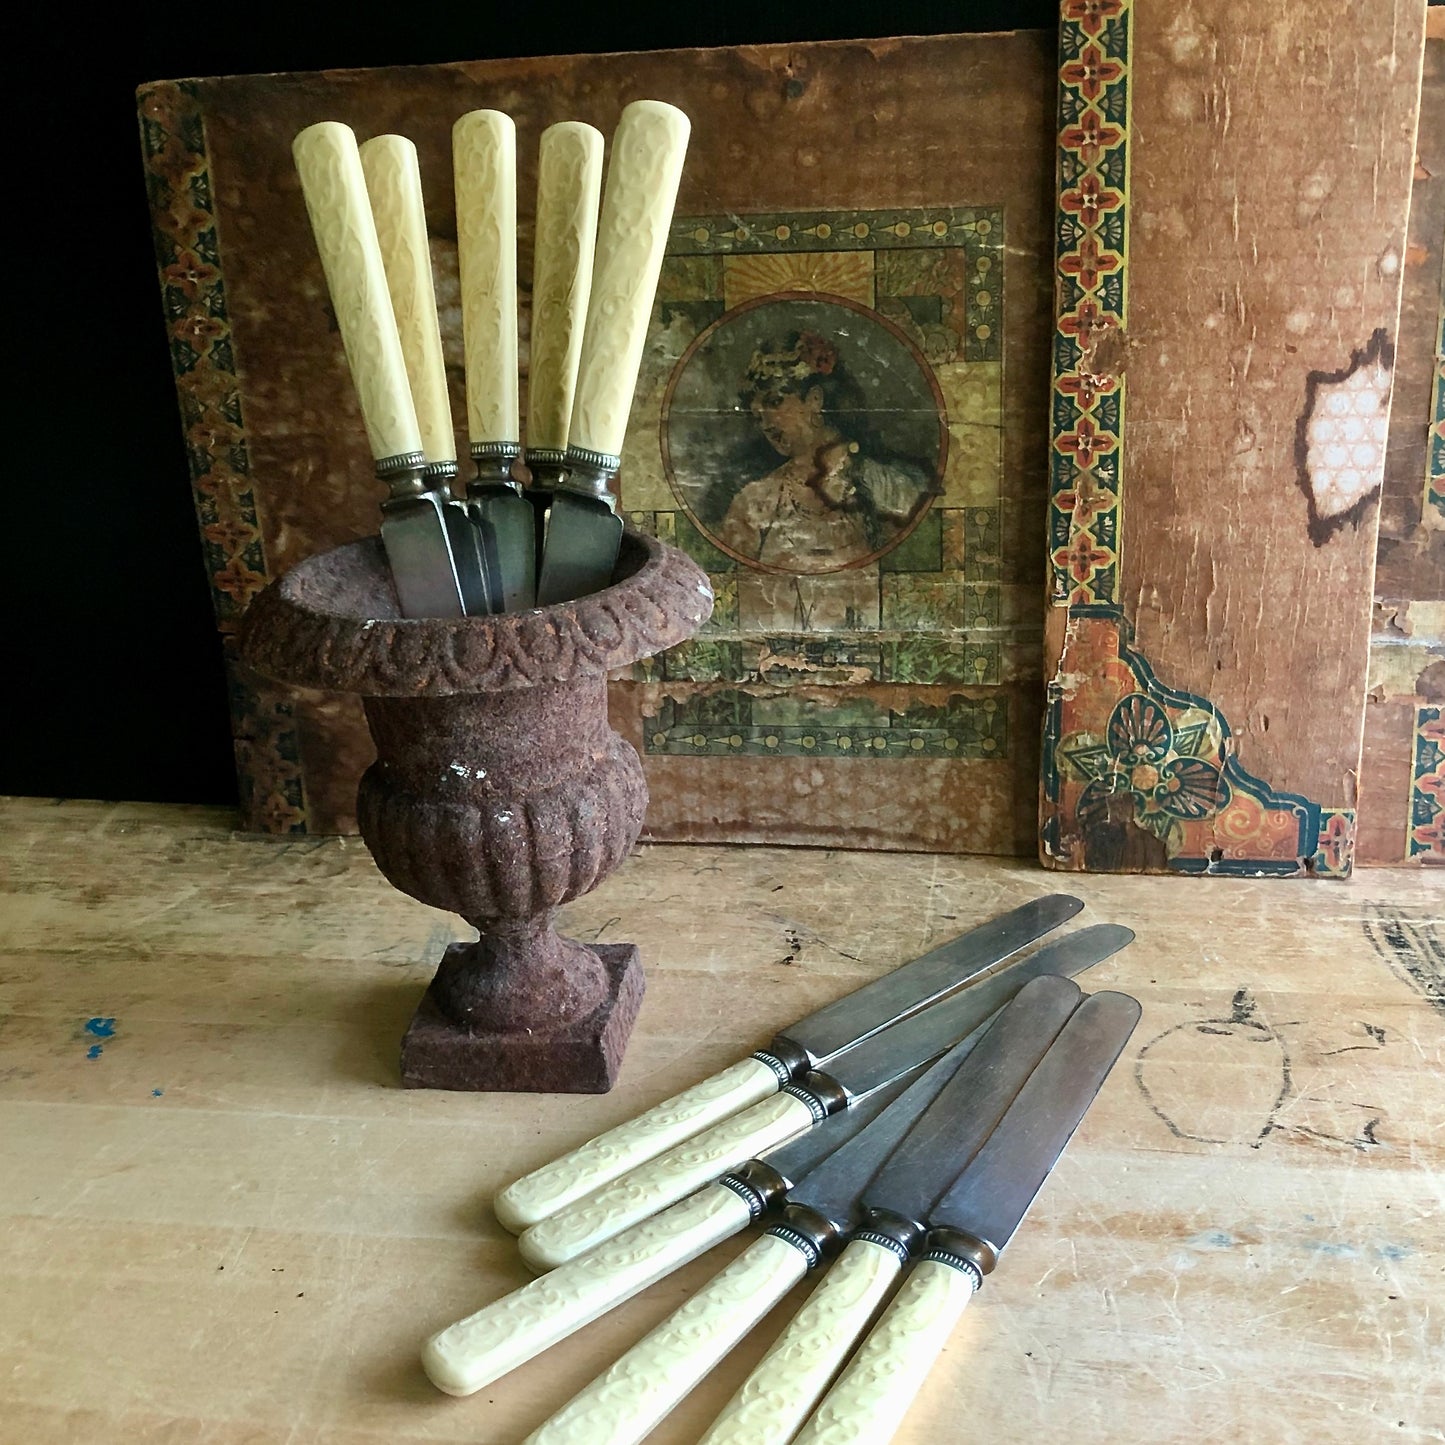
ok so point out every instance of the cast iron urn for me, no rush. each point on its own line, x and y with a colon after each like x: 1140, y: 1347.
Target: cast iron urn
x: 499, y: 792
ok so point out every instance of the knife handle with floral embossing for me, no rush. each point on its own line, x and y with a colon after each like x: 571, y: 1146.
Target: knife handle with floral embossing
x: 663, y: 1181
x: 550, y: 1189
x: 783, y: 1390
x: 623, y: 1405
x: 873, y: 1393
x: 477, y: 1350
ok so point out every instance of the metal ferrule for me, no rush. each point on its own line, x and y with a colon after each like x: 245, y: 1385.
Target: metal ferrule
x: 777, y: 1065
x: 494, y: 466
x: 756, y: 1184
x: 962, y: 1251
x: 808, y: 1232
x: 903, y: 1236
x: 822, y: 1093
x: 588, y: 474
x: 438, y: 476
x: 793, y: 1058
x: 404, y: 475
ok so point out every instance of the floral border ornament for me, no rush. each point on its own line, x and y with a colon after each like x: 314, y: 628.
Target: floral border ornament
x: 1137, y: 777
x: 1091, y: 248
x: 203, y: 359
x: 1427, y: 791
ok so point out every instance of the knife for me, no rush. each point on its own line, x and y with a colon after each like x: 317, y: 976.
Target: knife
x: 393, y: 184
x: 484, y: 160
x: 973, y: 1083
x: 477, y: 1350
x: 583, y: 529
x: 852, y: 1076
x: 970, y: 1226
x: 569, y: 183
x: 807, y: 1044
x: 412, y: 527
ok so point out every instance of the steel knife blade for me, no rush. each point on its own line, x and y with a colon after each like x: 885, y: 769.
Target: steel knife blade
x: 810, y: 1042
x: 852, y: 1076
x: 978, y: 1214
x: 813, y: 1041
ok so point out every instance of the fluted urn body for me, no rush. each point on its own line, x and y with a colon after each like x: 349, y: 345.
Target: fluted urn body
x: 499, y: 792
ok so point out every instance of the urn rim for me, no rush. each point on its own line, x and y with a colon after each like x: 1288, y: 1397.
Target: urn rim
x: 333, y: 622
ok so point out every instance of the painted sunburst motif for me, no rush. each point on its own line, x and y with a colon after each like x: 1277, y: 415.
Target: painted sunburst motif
x: 1143, y: 755
x: 847, y: 273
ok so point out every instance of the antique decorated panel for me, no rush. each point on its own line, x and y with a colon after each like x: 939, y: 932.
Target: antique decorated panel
x: 1402, y: 786
x: 842, y: 415
x: 1234, y: 182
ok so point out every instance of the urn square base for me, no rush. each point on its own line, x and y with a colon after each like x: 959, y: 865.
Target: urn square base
x: 582, y: 1058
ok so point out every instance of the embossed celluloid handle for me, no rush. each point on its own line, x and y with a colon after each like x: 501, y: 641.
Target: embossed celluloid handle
x: 569, y: 180
x: 642, y: 180
x: 625, y: 1404
x: 542, y: 1193
x: 484, y: 1346
x: 873, y: 1394
x: 664, y: 1180
x: 484, y: 159
x: 335, y: 190
x: 780, y: 1394
x: 393, y: 182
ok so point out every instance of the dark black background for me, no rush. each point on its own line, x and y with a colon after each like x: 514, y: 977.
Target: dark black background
x: 118, y: 692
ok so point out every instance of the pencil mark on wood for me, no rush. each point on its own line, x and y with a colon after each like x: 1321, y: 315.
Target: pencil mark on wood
x: 1225, y: 1092
x: 1373, y: 1030
x: 1413, y: 947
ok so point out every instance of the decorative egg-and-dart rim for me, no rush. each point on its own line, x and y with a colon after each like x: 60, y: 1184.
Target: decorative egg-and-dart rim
x: 296, y: 631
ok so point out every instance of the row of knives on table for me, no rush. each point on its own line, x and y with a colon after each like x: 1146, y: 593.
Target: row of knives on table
x: 900, y: 1133
x: 500, y: 549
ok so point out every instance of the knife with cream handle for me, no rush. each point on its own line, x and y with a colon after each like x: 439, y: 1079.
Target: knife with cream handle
x: 393, y: 184
x: 413, y: 529
x: 484, y: 161
x: 569, y: 184
x: 583, y: 529
x: 809, y: 1043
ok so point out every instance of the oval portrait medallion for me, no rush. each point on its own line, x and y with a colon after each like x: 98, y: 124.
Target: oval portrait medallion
x: 804, y: 433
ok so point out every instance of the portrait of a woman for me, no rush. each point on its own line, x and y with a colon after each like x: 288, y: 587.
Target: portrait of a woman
x: 836, y: 496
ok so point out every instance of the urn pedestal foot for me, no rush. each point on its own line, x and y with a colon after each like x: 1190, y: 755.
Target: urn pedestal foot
x: 582, y: 1057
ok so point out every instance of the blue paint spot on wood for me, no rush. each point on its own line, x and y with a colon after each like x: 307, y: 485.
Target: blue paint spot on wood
x: 93, y: 1052
x: 101, y: 1028
x: 1212, y: 1239
x: 156, y: 1093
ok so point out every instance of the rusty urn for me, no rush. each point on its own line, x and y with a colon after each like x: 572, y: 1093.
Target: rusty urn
x: 499, y: 792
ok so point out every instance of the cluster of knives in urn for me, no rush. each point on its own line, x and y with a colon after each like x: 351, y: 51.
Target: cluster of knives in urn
x: 893, y: 1139
x: 501, y: 549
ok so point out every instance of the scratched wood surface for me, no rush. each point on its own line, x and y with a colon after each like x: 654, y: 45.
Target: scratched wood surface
x: 223, y: 1221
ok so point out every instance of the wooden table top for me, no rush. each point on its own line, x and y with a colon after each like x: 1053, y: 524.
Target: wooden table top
x: 225, y: 1222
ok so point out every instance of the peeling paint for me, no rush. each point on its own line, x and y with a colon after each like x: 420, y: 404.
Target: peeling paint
x: 1341, y: 435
